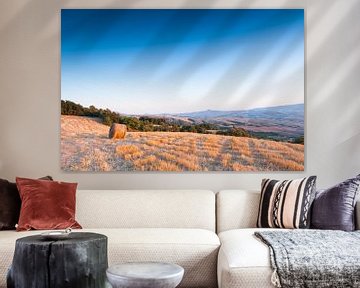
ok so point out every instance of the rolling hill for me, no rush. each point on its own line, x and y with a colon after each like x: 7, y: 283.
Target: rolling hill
x: 85, y: 147
x: 284, y: 123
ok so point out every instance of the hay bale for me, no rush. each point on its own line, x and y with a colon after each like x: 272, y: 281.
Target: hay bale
x: 117, y: 131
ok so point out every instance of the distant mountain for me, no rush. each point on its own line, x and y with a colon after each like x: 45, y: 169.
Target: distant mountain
x: 296, y: 110
x: 280, y: 122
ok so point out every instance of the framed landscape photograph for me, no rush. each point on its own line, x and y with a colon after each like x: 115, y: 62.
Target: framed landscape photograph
x: 182, y: 90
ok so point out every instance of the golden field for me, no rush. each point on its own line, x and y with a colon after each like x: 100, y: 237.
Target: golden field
x: 85, y: 147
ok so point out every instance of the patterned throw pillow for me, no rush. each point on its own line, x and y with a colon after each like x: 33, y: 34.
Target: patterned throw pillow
x: 286, y: 204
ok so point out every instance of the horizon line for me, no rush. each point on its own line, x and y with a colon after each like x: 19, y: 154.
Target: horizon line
x: 188, y: 112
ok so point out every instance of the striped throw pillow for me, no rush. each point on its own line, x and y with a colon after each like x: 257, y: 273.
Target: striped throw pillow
x: 286, y: 204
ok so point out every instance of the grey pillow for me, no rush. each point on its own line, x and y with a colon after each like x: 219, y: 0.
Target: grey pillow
x: 334, y: 208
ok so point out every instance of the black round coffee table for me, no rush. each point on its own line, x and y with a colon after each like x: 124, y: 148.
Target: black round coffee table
x: 78, y: 261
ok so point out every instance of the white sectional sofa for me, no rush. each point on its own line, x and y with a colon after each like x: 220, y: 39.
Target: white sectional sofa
x: 154, y: 225
x: 177, y: 226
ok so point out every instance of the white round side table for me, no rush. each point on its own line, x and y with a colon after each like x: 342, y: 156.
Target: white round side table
x: 145, y: 275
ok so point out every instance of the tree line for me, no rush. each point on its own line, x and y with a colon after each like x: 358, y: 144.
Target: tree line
x: 149, y: 124
x: 145, y: 123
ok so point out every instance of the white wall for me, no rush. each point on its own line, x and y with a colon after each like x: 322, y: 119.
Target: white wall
x: 30, y: 94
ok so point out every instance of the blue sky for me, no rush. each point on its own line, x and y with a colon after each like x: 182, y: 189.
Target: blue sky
x: 150, y: 61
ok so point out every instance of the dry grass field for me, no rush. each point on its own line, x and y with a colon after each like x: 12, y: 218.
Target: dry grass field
x: 85, y: 147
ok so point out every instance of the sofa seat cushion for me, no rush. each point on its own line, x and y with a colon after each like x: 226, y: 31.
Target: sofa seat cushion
x: 244, y: 261
x: 194, y: 249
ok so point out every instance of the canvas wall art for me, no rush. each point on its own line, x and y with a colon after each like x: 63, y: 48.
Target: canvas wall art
x: 182, y: 89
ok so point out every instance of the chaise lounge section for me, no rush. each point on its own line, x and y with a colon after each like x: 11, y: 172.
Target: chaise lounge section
x: 244, y: 260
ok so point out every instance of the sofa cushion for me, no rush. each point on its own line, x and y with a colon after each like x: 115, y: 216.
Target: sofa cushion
x: 244, y: 261
x: 286, y: 204
x: 10, y: 204
x: 334, y: 208
x: 153, y: 209
x: 46, y: 204
x: 194, y: 249
x: 236, y: 209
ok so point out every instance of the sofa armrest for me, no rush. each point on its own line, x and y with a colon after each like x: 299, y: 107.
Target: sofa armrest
x: 357, y: 215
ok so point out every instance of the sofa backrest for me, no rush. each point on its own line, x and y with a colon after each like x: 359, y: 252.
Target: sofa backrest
x: 236, y: 209
x: 146, y: 209
x: 239, y: 209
